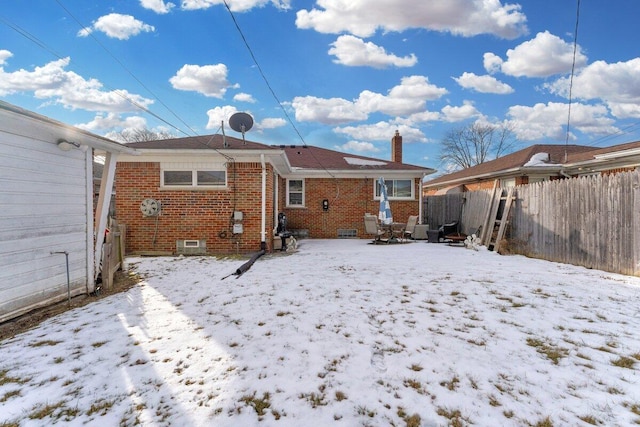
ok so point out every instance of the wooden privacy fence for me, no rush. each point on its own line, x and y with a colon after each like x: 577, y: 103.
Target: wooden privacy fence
x: 468, y: 208
x: 590, y: 221
x: 113, y: 253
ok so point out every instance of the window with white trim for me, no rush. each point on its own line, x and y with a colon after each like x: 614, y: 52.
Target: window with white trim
x: 295, y: 192
x: 508, y: 182
x: 396, y: 189
x: 193, y: 176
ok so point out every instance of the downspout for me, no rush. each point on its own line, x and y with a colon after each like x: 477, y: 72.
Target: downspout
x: 276, y: 198
x: 263, y: 224
x: 566, y: 175
x: 420, y: 199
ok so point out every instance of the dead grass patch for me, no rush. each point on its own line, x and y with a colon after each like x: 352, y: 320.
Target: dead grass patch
x: 455, y: 417
x: 624, y: 362
x: 259, y: 404
x: 552, y: 352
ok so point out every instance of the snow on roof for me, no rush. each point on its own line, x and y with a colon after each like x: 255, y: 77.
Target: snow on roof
x: 363, y: 162
x: 539, y: 159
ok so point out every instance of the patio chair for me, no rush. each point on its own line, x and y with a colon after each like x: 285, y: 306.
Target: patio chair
x: 410, y: 227
x: 372, y: 227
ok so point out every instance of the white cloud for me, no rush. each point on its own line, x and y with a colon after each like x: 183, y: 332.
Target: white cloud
x: 328, y: 111
x: 483, y: 84
x: 542, y: 56
x: 358, y: 147
x: 158, y: 6
x: 112, y: 121
x: 52, y: 81
x: 272, y: 123
x: 409, y: 97
x: 235, y: 5
x: 375, y: 102
x: 117, y: 26
x: 244, y: 97
x: 209, y: 80
x: 382, y: 131
x: 550, y: 120
x: 461, y: 17
x: 492, y: 62
x: 457, y: 114
x: 218, y: 115
x: 616, y: 84
x: 353, y: 51
x: 4, y: 55
x: 421, y: 117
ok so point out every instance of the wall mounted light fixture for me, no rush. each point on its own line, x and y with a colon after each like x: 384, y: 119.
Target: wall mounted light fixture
x: 65, y: 145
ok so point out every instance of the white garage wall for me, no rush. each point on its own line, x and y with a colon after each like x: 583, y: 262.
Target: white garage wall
x: 43, y: 209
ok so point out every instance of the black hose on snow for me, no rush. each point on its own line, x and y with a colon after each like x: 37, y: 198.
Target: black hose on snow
x: 247, y: 265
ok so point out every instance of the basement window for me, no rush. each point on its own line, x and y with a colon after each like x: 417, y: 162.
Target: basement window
x: 344, y: 233
x: 192, y: 243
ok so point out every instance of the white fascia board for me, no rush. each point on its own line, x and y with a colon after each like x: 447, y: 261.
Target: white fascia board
x: 507, y: 173
x: 350, y: 174
x: 602, y: 165
x: 276, y: 158
x: 619, y: 154
x: 31, y: 125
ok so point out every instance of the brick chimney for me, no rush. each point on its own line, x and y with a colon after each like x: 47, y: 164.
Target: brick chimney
x: 396, y: 148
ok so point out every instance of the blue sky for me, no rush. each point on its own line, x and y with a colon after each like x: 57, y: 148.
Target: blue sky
x: 340, y: 74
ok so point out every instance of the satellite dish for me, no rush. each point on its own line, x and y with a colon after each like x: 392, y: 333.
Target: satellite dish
x: 241, y: 122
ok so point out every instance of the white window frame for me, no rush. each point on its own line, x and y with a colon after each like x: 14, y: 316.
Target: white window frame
x: 390, y: 184
x: 507, y: 182
x: 288, y: 193
x: 194, y: 168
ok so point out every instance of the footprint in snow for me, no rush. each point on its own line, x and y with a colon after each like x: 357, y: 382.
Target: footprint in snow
x: 377, y: 361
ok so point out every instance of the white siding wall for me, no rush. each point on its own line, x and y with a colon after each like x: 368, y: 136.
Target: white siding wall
x: 43, y: 208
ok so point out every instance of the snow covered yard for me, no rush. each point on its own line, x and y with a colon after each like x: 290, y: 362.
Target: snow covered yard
x: 338, y: 333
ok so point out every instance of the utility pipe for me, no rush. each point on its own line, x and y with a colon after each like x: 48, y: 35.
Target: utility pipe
x: 66, y: 255
x: 420, y: 199
x: 263, y: 223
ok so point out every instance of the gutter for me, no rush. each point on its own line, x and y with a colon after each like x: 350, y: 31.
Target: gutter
x: 499, y: 174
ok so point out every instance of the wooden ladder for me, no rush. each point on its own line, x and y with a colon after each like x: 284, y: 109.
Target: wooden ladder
x: 495, y: 219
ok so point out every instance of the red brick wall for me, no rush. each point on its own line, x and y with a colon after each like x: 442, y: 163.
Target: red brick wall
x: 349, y: 200
x: 193, y: 214
x: 483, y: 185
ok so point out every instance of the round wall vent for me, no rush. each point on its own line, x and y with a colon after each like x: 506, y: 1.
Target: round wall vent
x: 150, y: 207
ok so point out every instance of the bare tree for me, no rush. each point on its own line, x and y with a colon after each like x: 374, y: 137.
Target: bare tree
x: 142, y: 134
x: 476, y: 143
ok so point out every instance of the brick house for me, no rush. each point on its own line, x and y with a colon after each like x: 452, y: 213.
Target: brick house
x: 215, y: 194
x: 538, y: 163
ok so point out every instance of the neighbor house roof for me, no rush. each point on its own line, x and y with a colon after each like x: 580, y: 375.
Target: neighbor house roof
x: 561, y: 158
x: 509, y: 163
x: 621, y: 149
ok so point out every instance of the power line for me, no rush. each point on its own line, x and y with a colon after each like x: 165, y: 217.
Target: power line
x: 264, y: 77
x: 124, y: 67
x: 573, y: 67
x: 44, y: 46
